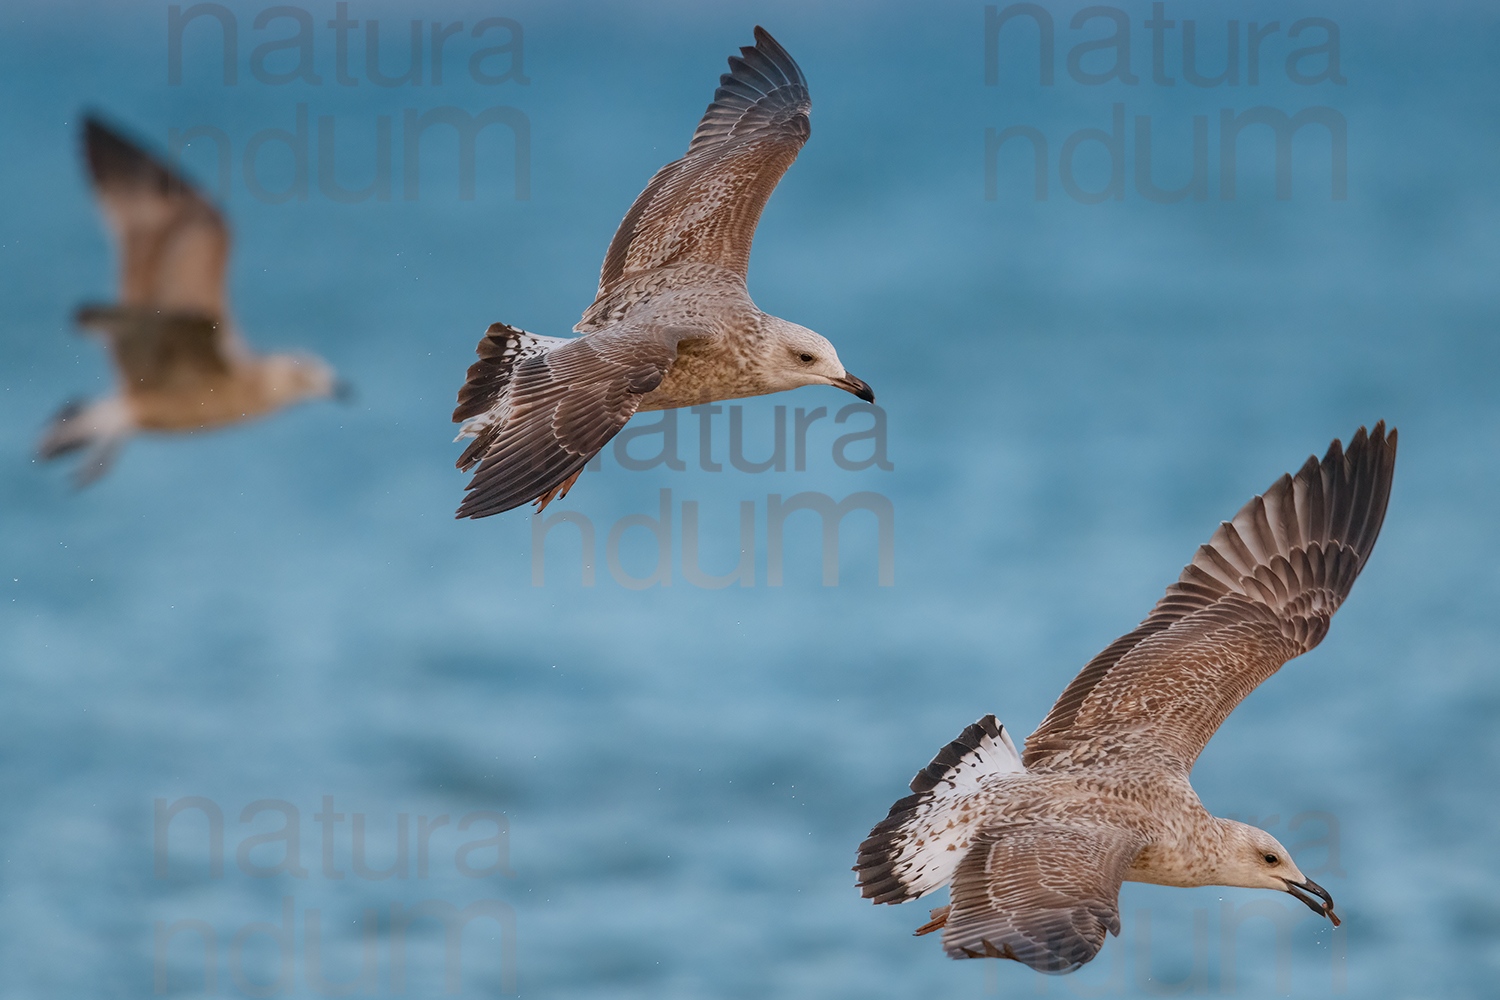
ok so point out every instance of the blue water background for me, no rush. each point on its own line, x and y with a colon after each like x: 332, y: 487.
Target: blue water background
x: 1076, y: 394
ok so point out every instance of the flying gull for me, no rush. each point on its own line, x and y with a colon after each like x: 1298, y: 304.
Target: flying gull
x: 180, y: 364
x: 672, y: 324
x: 1036, y: 845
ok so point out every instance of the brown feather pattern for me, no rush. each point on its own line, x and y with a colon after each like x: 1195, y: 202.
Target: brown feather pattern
x: 1035, y: 856
x: 1259, y: 593
x: 1042, y: 895
x: 499, y: 350
x: 562, y: 406
x: 703, y: 208
x: 160, y: 352
x: 540, y: 408
x: 173, y: 244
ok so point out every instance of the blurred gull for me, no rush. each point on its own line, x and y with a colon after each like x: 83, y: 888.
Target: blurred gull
x: 672, y: 324
x: 1036, y: 846
x: 180, y: 364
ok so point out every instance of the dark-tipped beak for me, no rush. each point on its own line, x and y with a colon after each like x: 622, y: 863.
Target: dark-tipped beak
x: 857, y: 386
x: 1322, y: 905
x: 344, y: 391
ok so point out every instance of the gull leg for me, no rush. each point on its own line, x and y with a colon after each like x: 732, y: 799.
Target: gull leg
x: 939, y: 919
x: 557, y: 492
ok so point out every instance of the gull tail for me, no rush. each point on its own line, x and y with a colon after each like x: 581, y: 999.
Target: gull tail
x: 918, y: 846
x: 99, y: 429
x: 484, y: 399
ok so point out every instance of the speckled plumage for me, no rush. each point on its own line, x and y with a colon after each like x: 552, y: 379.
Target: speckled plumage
x: 672, y: 323
x: 1035, y: 846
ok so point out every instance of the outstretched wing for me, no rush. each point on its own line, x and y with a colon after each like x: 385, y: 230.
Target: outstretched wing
x: 160, y: 351
x: 557, y: 409
x: 1259, y: 593
x: 703, y: 208
x: 173, y: 243
x: 1044, y: 896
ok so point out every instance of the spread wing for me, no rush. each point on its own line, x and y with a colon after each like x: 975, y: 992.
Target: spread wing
x: 1259, y: 593
x: 160, y: 352
x: 559, y: 407
x: 703, y: 208
x: 173, y: 244
x: 1044, y: 896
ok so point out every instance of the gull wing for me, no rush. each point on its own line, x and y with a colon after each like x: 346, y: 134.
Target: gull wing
x: 173, y: 244
x: 1041, y: 895
x: 1262, y: 591
x: 704, y: 207
x: 160, y: 352
x: 556, y: 408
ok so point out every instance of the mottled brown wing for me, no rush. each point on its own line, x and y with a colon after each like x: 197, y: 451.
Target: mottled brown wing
x: 1262, y: 591
x: 173, y: 244
x: 1044, y: 896
x: 703, y: 208
x: 560, y: 407
x: 160, y: 352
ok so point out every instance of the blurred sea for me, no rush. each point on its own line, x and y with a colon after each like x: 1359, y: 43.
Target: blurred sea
x: 1075, y: 395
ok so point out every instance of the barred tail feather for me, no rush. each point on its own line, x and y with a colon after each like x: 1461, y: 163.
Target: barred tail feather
x: 499, y: 350
x: 918, y: 846
x: 100, y: 427
x: 481, y: 401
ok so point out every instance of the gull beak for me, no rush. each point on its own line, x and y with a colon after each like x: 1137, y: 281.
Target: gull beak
x: 344, y: 392
x: 857, y: 386
x: 1322, y: 905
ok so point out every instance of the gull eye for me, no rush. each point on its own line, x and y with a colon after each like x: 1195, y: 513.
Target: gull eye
x: 805, y: 358
x: 1272, y: 859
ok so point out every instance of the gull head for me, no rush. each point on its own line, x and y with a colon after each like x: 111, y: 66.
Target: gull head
x: 291, y: 378
x: 1256, y: 860
x: 798, y: 357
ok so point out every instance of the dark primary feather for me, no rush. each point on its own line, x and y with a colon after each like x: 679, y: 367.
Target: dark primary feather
x: 173, y: 244
x: 116, y: 162
x: 703, y: 208
x: 1259, y: 593
x: 741, y: 106
x: 499, y: 350
x: 881, y: 850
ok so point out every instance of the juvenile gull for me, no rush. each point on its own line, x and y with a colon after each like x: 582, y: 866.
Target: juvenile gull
x: 1036, y: 845
x: 672, y: 324
x: 179, y: 363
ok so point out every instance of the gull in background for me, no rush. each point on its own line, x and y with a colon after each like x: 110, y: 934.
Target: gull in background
x: 180, y: 364
x: 1035, y: 846
x: 672, y: 324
